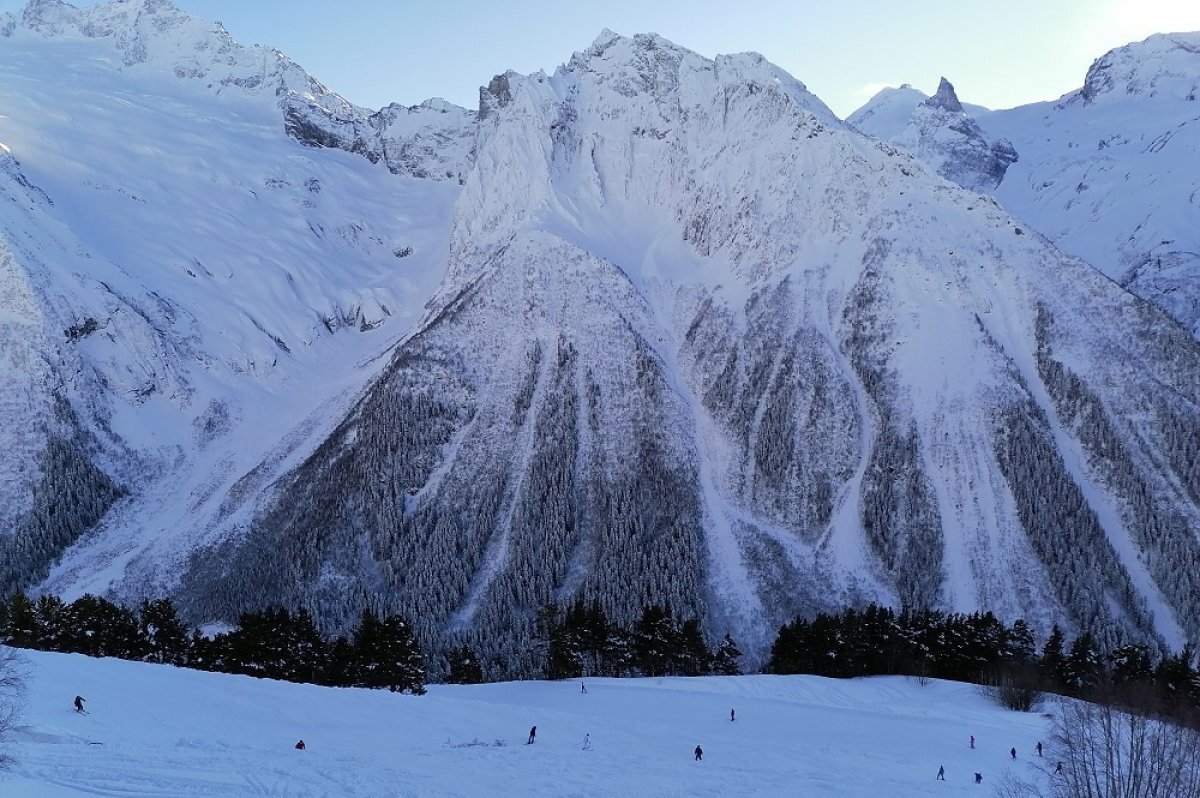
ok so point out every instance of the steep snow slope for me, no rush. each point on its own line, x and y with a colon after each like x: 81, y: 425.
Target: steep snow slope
x: 184, y: 284
x: 700, y: 342
x: 1103, y: 171
x: 163, y: 731
x: 695, y: 341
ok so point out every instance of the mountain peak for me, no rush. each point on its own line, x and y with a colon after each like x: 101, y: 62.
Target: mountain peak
x: 945, y: 98
x: 1163, y: 65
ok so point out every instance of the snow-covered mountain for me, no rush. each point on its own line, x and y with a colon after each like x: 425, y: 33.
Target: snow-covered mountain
x: 939, y: 131
x: 1105, y: 171
x: 654, y: 328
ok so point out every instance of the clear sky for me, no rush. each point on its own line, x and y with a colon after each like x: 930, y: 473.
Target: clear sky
x: 998, y: 53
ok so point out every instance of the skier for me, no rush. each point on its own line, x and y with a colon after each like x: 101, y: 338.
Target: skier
x: 532, y: 735
x: 972, y: 740
x: 941, y: 773
x: 978, y: 778
x: 587, y: 743
x: 699, y: 754
x: 300, y: 746
x: 1013, y: 752
x: 1058, y: 768
x: 731, y: 716
x: 79, y: 704
x: 583, y: 688
x: 1039, y: 747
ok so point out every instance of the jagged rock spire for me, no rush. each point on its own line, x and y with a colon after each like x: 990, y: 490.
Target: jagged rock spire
x: 945, y: 98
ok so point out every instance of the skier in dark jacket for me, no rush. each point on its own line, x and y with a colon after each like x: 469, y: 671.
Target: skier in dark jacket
x: 79, y: 703
x: 699, y: 753
x: 731, y: 715
x: 1039, y: 747
x: 978, y: 778
x: 300, y: 746
x: 1013, y: 752
x: 532, y: 735
x: 941, y: 773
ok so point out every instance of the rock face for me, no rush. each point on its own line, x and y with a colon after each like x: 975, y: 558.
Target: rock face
x: 941, y: 133
x: 688, y: 339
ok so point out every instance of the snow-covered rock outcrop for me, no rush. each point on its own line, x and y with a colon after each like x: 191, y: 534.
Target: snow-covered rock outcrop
x: 940, y: 132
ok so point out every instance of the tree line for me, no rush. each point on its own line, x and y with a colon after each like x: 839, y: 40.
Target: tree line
x: 580, y: 640
x: 381, y: 653
x: 980, y: 648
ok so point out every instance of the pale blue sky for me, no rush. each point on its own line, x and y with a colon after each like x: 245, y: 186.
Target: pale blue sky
x: 997, y: 54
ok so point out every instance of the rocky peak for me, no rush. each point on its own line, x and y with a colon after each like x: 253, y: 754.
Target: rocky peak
x: 945, y: 98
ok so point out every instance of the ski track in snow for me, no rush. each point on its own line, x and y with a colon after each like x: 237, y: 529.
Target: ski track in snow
x: 171, y: 733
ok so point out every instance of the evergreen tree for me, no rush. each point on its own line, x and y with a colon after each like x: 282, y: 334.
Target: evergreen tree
x: 166, y: 637
x: 99, y: 628
x: 691, y: 657
x: 1019, y: 647
x: 21, y: 630
x: 725, y: 658
x: 51, y: 626
x: 386, y: 655
x: 1083, y: 667
x: 654, y: 641
x: 1052, y: 659
x: 465, y: 667
x: 272, y: 644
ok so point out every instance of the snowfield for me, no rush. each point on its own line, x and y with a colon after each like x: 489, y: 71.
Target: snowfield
x: 162, y: 731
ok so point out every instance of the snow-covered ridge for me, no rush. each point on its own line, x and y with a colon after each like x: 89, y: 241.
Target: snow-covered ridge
x: 429, y: 140
x: 1164, y: 66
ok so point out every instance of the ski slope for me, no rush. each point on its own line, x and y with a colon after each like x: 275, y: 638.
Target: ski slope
x: 161, y: 731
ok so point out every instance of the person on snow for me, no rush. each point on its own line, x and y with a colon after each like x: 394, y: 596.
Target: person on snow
x: 587, y: 743
x: 1013, y: 752
x: 972, y: 740
x: 699, y: 754
x: 941, y: 773
x: 532, y: 735
x: 79, y: 703
x: 300, y: 746
x: 731, y: 716
x: 583, y: 688
x: 1058, y: 768
x: 978, y: 778
x: 1039, y: 747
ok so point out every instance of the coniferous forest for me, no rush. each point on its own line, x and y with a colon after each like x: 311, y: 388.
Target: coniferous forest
x: 579, y: 640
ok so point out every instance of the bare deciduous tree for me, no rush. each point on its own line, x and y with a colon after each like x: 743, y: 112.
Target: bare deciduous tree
x: 1101, y: 751
x: 12, y: 688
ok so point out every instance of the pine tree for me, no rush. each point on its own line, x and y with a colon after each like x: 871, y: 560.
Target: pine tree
x: 465, y: 667
x: 654, y: 641
x: 691, y: 656
x: 1052, y: 659
x: 21, y: 630
x: 1083, y: 667
x: 166, y: 637
x: 99, y: 628
x: 386, y: 655
x: 725, y: 658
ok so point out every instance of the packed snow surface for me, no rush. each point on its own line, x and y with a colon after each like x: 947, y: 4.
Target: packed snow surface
x: 161, y: 731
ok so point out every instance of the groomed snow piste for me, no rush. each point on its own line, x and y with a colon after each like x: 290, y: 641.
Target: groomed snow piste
x: 161, y: 731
